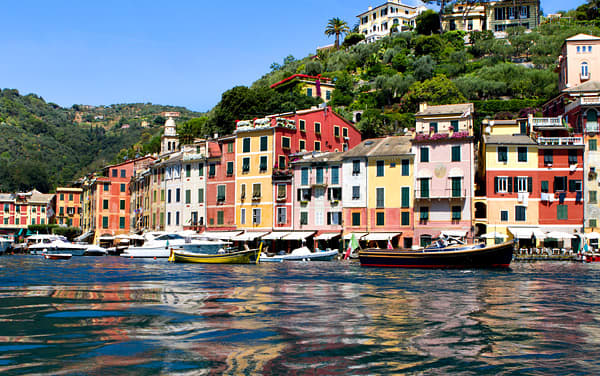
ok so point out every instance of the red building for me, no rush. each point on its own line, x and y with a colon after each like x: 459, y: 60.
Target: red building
x: 220, y: 185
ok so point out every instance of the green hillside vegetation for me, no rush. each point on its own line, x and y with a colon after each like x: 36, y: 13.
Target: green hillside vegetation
x: 44, y: 145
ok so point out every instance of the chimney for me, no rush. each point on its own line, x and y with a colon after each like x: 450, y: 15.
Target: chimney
x: 422, y: 106
x: 370, y: 8
x: 216, y: 135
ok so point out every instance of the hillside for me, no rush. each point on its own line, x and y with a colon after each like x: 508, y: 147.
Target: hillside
x: 44, y: 145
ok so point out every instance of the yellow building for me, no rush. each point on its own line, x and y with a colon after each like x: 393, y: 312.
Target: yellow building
x: 496, y: 16
x: 68, y: 206
x: 380, y: 21
x: 312, y: 86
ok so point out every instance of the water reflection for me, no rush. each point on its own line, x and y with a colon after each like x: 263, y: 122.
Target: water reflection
x: 113, y: 316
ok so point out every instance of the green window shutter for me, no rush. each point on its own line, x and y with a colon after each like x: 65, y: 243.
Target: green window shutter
x: 319, y: 175
x: 456, y: 187
x: 522, y: 154
x: 510, y: 185
x: 220, y: 216
x: 593, y: 223
x: 424, y: 213
x: 104, y: 222
x: 405, y: 219
x: 456, y: 154
x: 380, y: 192
x: 200, y: 195
x: 221, y: 193
x: 562, y: 212
x: 188, y: 170
x: 405, y: 197
x: 380, y: 219
x: 593, y: 197
x: 425, y: 188
x: 188, y: 196
x: 593, y: 145
x: 122, y: 205
x: 405, y: 167
x: 454, y: 125
x: 545, y: 186
x: 211, y: 169
x: 246, y: 164
x: 121, y: 222
x: 304, y: 178
x: 380, y: 168
x: 530, y: 184
x: 264, y: 143
x: 433, y: 127
x: 229, y: 168
x: 246, y: 145
x: 105, y: 204
x: 456, y: 213
x: 355, y: 219
x: 200, y: 169
x: 424, y: 154
x: 263, y: 163
x: 335, y: 175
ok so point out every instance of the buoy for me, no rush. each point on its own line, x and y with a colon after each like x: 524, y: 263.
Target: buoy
x: 155, y: 257
x: 130, y: 256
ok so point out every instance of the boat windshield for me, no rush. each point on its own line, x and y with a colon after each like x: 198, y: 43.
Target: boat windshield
x: 169, y: 237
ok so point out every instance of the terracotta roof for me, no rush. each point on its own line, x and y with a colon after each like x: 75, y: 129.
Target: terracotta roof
x: 305, y: 76
x: 582, y: 37
x: 214, y: 150
x: 378, y: 147
x: 516, y: 139
x: 448, y: 109
x: 323, y: 157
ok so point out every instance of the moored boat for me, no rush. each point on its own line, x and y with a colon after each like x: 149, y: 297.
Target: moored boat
x: 160, y: 247
x: 461, y: 256
x: 5, y: 244
x: 301, y: 254
x: 247, y: 256
x: 57, y: 256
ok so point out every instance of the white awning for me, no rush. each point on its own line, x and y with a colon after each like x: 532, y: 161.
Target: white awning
x: 454, y: 233
x: 526, y: 232
x: 559, y: 235
x: 592, y: 235
x: 275, y: 235
x: 298, y: 235
x: 248, y: 236
x: 378, y: 236
x: 224, y: 235
x: 357, y: 235
x: 327, y: 235
x: 106, y: 238
x: 84, y: 236
x: 494, y: 235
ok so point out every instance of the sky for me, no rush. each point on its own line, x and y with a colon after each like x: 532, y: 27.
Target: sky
x: 178, y: 52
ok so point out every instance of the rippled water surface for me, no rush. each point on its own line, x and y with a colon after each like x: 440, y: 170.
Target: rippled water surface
x: 113, y: 316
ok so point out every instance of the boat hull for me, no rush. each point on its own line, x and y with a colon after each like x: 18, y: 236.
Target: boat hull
x: 242, y: 257
x: 316, y: 256
x: 57, y: 256
x: 495, y: 256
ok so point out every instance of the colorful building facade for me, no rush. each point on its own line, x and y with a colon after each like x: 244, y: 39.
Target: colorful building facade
x: 67, y: 206
x: 312, y: 86
x: 18, y: 210
x: 221, y: 184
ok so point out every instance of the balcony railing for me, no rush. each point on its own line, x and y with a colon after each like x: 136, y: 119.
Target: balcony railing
x: 583, y: 101
x: 560, y: 141
x: 448, y: 193
x: 547, y: 122
x: 592, y: 127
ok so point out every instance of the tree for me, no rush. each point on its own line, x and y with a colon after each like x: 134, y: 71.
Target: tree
x: 436, y: 91
x: 352, y: 39
x: 428, y: 23
x: 373, y: 124
x: 336, y: 26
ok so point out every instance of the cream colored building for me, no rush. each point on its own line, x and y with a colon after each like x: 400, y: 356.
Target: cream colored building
x: 579, y: 61
x: 497, y: 16
x: 378, y: 22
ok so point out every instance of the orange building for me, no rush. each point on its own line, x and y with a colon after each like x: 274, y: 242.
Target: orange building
x: 67, y: 206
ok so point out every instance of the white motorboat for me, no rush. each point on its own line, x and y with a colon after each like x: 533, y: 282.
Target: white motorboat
x: 301, y: 254
x: 160, y: 247
x: 64, y: 247
x: 37, y: 243
x: 5, y: 244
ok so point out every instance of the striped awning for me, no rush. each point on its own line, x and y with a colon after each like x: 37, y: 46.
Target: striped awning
x: 275, y: 235
x: 248, y: 236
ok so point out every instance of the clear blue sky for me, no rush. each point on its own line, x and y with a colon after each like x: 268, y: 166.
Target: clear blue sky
x: 178, y: 52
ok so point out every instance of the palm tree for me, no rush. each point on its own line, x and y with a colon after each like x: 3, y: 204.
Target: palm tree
x: 336, y: 26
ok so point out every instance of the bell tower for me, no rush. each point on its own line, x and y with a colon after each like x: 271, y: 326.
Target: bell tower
x: 169, y: 140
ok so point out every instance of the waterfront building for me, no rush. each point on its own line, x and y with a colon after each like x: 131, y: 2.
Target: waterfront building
x: 354, y: 197
x: 18, y: 210
x: 384, y: 19
x: 317, y: 198
x: 496, y: 16
x: 445, y: 171
x: 579, y: 61
x: 263, y: 151
x: 312, y: 86
x: 139, y: 187
x: 194, y: 185
x: 221, y: 184
x: 67, y: 206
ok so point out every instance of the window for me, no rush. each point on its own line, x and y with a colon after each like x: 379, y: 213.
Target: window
x: 405, y: 167
x: 188, y: 170
x: 584, y: 70
x: 123, y: 173
x: 162, y: 195
x: 246, y: 145
x: 405, y: 218
x: 502, y: 154
x: 562, y: 212
x: 520, y: 213
x: 281, y: 191
x: 115, y: 173
x: 336, y: 131
x: 6, y: 208
x: 355, y: 219
x: 424, y: 214
x: 62, y: 197
x: 242, y: 216
x: 593, y: 145
x: 433, y: 127
x: 523, y: 184
x: 246, y: 164
x: 593, y: 197
x: 263, y: 163
x: 104, y: 222
x: 178, y: 195
x: 304, y: 194
x: 317, y: 145
x: 454, y: 125
x: 282, y: 162
x: 380, y: 197
x: 221, y: 193
x: 545, y: 186
x: 426, y: 240
x: 456, y: 154
x: 302, y: 125
x: 121, y: 222
x: 230, y: 168
x: 424, y: 154
x: 302, y: 145
x: 355, y: 167
x: 319, y: 217
x: 501, y: 184
x: 264, y: 143
x: 356, y: 192
x: 522, y: 152
x: 425, y: 187
x: 105, y: 204
x: 200, y: 195
x: 122, y: 187
x: 456, y: 213
x: 169, y: 196
x: 281, y: 216
x: 304, y: 176
x: 211, y: 170
x: 548, y: 157
x: 317, y: 128
x: 106, y: 187
x: 560, y: 183
x: 335, y: 175
x: 243, y: 191
x: 320, y: 179
x: 122, y: 204
x: 256, y: 216
x: 309, y: 92
x: 303, y: 218
x: 334, y: 194
x: 230, y: 147
x: 380, y: 168
x: 504, y: 215
x: 334, y: 218
x: 201, y: 167
x: 256, y: 190
x: 345, y: 132
x: 457, y: 187
x: 285, y: 142
x: 405, y: 197
x: 575, y: 185
x: 572, y: 157
x: 380, y: 219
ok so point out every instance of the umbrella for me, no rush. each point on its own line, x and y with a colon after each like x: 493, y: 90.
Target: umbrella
x: 559, y: 235
x: 494, y: 235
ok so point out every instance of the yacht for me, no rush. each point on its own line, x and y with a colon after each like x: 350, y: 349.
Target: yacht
x: 62, y: 246
x: 5, y: 244
x: 160, y: 246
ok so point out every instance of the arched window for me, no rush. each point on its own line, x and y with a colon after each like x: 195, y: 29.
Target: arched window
x: 584, y: 71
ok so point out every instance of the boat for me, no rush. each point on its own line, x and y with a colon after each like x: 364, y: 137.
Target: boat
x: 301, y: 254
x: 61, y: 246
x: 247, y: 256
x: 5, y: 244
x: 57, y: 256
x: 456, y: 255
x: 160, y: 246
x: 37, y: 243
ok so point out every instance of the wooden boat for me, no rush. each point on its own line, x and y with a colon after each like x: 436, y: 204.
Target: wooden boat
x: 457, y: 256
x: 57, y: 256
x: 301, y: 254
x: 248, y: 256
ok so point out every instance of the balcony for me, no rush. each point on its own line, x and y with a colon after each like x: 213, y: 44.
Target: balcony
x: 441, y: 194
x: 546, y: 122
x: 583, y: 101
x: 560, y: 141
x: 281, y: 174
